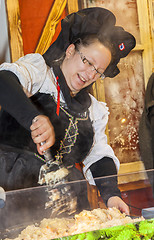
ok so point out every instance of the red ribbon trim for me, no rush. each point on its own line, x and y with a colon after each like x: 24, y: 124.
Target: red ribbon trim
x: 58, y: 97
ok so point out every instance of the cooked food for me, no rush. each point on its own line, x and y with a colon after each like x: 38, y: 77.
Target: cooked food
x: 83, y: 222
x: 54, y: 176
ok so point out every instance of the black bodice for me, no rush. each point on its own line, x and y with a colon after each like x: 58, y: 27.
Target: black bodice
x: 13, y: 134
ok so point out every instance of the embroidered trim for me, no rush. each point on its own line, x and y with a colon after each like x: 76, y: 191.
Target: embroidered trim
x: 38, y: 156
x: 70, y: 136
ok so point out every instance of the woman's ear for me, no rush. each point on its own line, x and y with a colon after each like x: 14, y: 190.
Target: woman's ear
x: 70, y: 50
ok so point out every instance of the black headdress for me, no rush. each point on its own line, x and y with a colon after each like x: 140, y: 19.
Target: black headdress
x: 92, y: 21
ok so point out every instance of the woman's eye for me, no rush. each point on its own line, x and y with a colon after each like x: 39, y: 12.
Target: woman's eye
x: 84, y: 60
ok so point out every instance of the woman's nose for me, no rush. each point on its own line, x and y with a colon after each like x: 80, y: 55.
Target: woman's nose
x: 91, y: 73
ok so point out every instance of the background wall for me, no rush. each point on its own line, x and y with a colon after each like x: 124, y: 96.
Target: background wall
x: 4, y: 44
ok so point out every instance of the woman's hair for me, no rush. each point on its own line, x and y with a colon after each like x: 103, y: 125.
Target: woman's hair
x: 90, y: 39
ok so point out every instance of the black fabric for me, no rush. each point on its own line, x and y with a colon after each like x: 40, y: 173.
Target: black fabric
x: 97, y: 21
x: 18, y: 169
x: 14, y: 101
x: 146, y: 130
x: 108, y: 186
x: 13, y: 134
x: 22, y: 153
x: 47, y: 105
x: 152, y: 130
x: 123, y: 43
x: 146, y: 127
x: 77, y: 25
x: 78, y: 104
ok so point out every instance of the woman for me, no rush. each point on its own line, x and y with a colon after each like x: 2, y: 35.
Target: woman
x: 59, y: 111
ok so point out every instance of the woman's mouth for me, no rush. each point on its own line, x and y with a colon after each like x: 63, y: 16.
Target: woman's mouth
x: 81, y: 78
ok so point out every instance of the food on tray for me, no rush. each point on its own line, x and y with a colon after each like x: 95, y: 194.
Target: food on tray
x: 83, y: 222
x: 132, y: 231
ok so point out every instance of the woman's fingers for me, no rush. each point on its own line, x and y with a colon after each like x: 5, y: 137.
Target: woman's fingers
x: 42, y: 131
x: 117, y: 202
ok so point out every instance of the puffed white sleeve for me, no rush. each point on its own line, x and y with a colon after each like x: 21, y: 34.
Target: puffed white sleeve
x: 31, y: 71
x: 99, y: 117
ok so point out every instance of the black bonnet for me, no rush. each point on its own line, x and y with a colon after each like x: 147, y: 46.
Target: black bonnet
x: 91, y: 21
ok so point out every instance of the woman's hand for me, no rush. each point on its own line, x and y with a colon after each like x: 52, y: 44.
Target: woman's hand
x: 117, y: 202
x: 42, y: 131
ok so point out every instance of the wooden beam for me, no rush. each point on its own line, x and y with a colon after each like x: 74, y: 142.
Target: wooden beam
x: 144, y: 26
x: 151, y: 18
x: 49, y: 29
x: 15, y: 33
x: 139, y: 47
x: 72, y: 6
x: 131, y: 172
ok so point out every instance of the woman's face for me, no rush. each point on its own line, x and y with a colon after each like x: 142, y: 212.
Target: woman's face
x: 83, y: 67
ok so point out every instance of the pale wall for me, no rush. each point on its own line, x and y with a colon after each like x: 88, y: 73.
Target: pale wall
x: 4, y: 45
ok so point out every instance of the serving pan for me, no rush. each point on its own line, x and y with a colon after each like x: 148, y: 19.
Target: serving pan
x: 27, y: 206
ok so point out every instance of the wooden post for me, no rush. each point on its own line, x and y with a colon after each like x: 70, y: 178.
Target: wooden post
x: 15, y: 33
x: 72, y: 6
x: 145, y: 38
